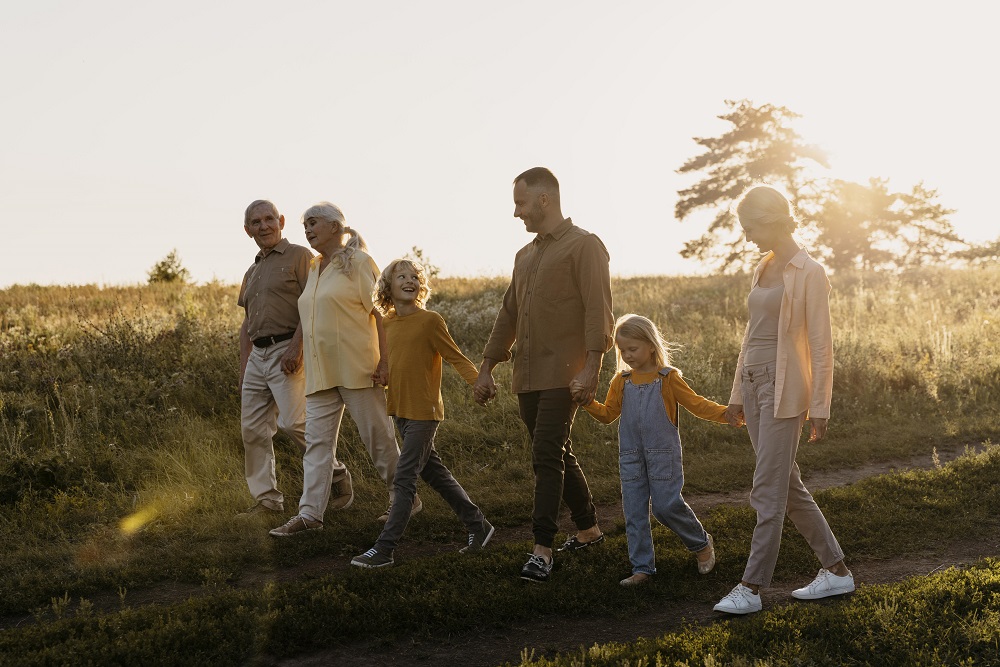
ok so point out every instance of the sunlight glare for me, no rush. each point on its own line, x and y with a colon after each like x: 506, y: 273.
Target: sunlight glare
x: 138, y: 520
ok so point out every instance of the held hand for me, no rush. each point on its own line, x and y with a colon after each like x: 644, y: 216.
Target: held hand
x: 817, y: 428
x: 485, y: 388
x: 576, y: 389
x: 583, y: 387
x: 291, y: 360
x: 381, y: 375
x: 734, y: 415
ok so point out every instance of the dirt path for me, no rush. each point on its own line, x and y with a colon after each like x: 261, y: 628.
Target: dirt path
x: 554, y: 634
x: 559, y: 635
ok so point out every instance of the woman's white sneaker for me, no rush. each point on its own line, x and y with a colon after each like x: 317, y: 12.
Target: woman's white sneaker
x: 824, y: 585
x: 741, y: 600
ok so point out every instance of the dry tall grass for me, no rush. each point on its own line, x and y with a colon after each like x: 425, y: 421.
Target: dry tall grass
x: 119, y: 413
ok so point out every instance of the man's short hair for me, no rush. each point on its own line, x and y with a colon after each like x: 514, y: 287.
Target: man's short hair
x: 254, y: 204
x: 539, y: 176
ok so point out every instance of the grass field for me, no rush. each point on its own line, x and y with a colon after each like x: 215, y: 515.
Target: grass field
x: 121, y: 460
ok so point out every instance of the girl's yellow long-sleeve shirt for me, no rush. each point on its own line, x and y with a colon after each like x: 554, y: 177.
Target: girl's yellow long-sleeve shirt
x: 417, y: 344
x: 674, y: 389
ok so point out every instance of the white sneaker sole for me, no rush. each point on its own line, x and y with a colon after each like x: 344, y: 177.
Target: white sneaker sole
x: 733, y: 610
x: 806, y: 595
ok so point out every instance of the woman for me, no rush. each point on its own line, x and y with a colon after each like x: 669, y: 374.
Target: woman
x: 344, y: 354
x: 784, y: 376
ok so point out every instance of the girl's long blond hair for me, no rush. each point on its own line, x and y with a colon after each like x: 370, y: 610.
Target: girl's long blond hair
x: 642, y: 328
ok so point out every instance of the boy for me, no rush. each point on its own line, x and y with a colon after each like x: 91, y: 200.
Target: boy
x: 418, y: 340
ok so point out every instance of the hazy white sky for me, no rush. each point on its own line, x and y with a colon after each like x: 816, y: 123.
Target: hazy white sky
x: 130, y: 128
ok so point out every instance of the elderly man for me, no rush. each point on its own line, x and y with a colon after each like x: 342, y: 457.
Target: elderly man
x: 558, y: 310
x: 271, y: 377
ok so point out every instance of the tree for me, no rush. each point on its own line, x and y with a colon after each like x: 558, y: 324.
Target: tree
x: 417, y: 255
x: 856, y: 224
x: 761, y: 146
x: 169, y: 270
x: 869, y: 226
x: 980, y: 253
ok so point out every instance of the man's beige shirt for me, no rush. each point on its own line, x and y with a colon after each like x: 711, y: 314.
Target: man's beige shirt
x: 557, y: 308
x: 271, y: 289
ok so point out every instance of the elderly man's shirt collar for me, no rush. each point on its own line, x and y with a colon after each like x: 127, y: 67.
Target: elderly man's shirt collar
x: 281, y: 247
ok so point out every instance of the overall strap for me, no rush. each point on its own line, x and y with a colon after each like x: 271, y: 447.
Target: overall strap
x: 664, y: 372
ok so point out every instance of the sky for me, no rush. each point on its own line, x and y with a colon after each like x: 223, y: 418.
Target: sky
x: 129, y: 129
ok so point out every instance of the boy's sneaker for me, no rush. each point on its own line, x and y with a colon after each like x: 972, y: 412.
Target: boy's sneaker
x: 418, y: 505
x: 264, y: 507
x: 297, y: 525
x: 372, y: 559
x: 741, y: 600
x: 341, y: 492
x: 537, y: 569
x: 824, y: 585
x: 479, y: 538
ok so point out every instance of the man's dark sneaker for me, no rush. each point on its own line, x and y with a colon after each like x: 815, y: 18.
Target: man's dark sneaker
x: 537, y: 569
x: 574, y: 543
x: 371, y: 559
x: 479, y: 538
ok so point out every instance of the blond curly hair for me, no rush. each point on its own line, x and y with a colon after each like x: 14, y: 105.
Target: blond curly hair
x: 383, y: 288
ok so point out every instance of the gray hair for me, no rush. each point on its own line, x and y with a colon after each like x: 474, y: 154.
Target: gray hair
x: 254, y: 204
x: 343, y: 260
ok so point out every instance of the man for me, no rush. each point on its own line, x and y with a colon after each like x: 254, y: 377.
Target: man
x: 558, y: 310
x: 271, y: 378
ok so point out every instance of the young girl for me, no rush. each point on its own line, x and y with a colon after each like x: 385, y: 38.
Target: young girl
x: 645, y: 393
x: 418, y: 339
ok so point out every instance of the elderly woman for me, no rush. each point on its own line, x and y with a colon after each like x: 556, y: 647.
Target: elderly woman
x: 784, y: 375
x: 345, y: 358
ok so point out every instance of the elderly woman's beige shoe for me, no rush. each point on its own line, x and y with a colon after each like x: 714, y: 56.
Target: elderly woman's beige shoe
x: 636, y: 579
x: 705, y: 566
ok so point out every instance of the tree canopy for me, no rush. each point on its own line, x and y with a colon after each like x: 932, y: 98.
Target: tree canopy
x: 855, y: 225
x: 169, y: 270
x: 761, y: 146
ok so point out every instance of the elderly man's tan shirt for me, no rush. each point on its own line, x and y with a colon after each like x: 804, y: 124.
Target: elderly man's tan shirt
x: 271, y: 289
x: 557, y: 308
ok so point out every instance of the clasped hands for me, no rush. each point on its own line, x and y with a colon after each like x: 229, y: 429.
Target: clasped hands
x: 485, y: 389
x: 817, y: 425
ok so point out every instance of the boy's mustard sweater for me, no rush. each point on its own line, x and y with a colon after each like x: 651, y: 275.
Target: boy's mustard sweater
x: 417, y: 343
x: 675, y: 391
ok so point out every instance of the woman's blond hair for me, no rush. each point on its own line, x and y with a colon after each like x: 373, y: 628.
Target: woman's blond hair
x: 383, y: 288
x: 642, y: 328
x: 766, y: 205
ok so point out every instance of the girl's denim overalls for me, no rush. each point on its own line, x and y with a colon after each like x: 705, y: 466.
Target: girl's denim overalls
x: 652, y: 473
